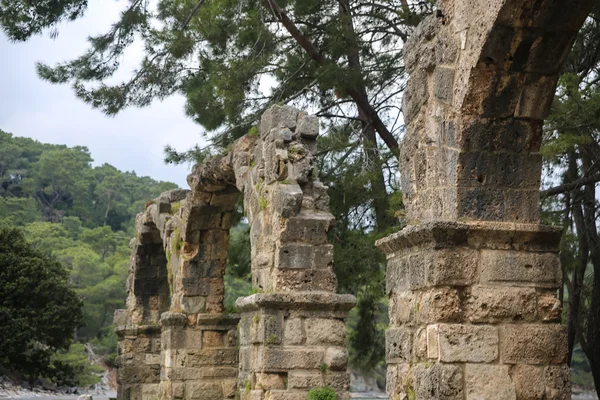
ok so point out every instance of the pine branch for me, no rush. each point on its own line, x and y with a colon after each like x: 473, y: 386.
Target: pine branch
x: 191, y: 15
x: 360, y: 99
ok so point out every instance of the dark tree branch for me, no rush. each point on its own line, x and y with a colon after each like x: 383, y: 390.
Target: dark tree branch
x: 359, y: 98
x: 567, y: 187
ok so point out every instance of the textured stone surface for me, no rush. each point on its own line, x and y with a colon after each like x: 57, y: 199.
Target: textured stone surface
x: 491, y: 382
x: 178, y: 263
x: 473, y: 276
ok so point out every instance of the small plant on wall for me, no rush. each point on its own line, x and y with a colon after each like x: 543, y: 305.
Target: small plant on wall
x: 325, y: 393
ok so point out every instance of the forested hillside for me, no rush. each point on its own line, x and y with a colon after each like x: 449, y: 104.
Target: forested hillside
x: 81, y: 216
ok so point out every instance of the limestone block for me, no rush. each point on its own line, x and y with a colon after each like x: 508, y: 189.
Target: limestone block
x: 339, y: 381
x: 322, y: 331
x: 299, y: 255
x: 268, y: 381
x: 557, y: 380
x: 524, y: 268
x: 277, y: 117
x: 277, y: 359
x: 463, y: 343
x: 308, y: 127
x: 533, y: 344
x: 193, y: 305
x: 287, y: 199
x: 307, y: 227
x: 416, y: 95
x: 402, y: 309
x: 336, y: 358
x: 229, y: 388
x: 293, y: 333
x: 213, y: 339
x: 285, y: 395
x: 212, y: 356
x: 305, y: 280
x: 490, y: 382
x: 398, y: 345
x: 396, y: 275
x: 204, y: 391
x: 495, y: 304
x: 439, y: 305
x: 529, y: 382
x: 452, y: 267
x: 481, y: 204
x: 522, y: 205
x: 438, y: 381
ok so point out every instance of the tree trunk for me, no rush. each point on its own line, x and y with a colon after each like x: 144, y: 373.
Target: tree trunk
x: 573, y: 322
x: 592, y: 347
x: 376, y: 178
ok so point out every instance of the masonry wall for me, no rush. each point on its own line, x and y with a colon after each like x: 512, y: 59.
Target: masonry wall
x: 473, y: 278
x: 292, y: 333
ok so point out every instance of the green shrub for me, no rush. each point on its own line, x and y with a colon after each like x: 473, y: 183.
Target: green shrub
x: 325, y: 393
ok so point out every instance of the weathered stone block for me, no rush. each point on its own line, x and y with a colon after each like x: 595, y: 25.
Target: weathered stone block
x: 495, y: 304
x: 533, y: 344
x: 307, y: 380
x: 336, y: 358
x: 438, y: 381
x: 398, y: 345
x: 204, y: 391
x: 322, y: 331
x: 307, y: 227
x: 527, y: 269
x: 490, y: 382
x: 529, y: 382
x: 463, y: 343
x: 308, y: 127
x: 293, y: 333
x: 305, y: 279
x: 439, y: 305
x: 277, y: 359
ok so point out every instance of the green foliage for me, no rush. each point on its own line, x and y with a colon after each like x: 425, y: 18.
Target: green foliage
x: 80, y: 217
x: 74, y: 368
x: 39, y: 309
x: 325, y: 393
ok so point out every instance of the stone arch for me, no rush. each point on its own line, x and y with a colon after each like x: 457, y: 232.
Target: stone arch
x: 139, y: 331
x: 482, y: 79
x: 472, y: 279
x: 294, y: 324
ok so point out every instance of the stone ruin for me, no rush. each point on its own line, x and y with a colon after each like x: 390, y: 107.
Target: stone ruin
x: 471, y: 280
x: 176, y: 341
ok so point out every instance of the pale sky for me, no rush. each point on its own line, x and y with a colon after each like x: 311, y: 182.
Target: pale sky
x: 131, y: 141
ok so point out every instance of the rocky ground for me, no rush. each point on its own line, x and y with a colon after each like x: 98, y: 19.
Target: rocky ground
x: 10, y: 389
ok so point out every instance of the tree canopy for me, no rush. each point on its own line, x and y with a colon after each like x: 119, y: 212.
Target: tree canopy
x: 39, y: 310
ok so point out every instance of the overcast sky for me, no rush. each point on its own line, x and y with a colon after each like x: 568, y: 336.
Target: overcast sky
x: 131, y: 141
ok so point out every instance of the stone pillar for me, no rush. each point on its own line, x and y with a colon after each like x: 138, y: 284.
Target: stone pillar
x: 472, y: 279
x: 200, y: 361
x: 292, y: 333
x: 473, y: 312
x: 138, y: 361
x: 138, y: 329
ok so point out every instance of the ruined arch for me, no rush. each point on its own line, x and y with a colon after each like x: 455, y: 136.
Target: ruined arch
x: 472, y: 279
x: 293, y: 325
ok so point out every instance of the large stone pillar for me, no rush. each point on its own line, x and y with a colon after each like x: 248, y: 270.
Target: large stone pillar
x: 138, y: 328
x: 472, y: 279
x: 292, y: 333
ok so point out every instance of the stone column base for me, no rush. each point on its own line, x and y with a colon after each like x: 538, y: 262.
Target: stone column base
x: 473, y: 312
x: 199, y: 357
x: 292, y: 342
x: 138, y: 362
